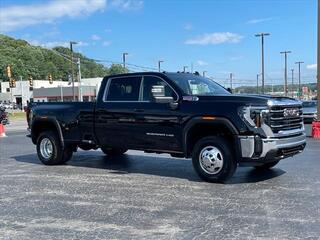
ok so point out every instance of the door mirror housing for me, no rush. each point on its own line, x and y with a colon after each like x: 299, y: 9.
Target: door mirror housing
x: 158, y: 94
x: 229, y: 90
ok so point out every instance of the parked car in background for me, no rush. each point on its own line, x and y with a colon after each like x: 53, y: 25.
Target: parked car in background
x: 309, y: 111
x: 4, y: 118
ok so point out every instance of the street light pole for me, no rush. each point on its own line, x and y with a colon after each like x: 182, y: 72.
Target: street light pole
x: 262, y: 57
x: 204, y: 73
x: 285, y: 72
x: 72, y: 74
x: 258, y: 83
x: 124, y: 59
x: 184, y: 68
x: 299, y: 84
x: 79, y: 81
x: 231, y: 78
x: 159, y: 65
x: 292, y: 70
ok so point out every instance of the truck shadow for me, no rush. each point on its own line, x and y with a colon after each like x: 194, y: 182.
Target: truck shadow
x: 153, y: 165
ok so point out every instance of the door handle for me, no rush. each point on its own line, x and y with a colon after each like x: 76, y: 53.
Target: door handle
x: 138, y: 110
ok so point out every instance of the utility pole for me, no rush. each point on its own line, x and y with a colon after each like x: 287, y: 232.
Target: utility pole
x: 159, y: 65
x: 318, y: 63
x: 258, y: 83
x: 124, y: 59
x: 292, y: 70
x: 204, y: 73
x: 184, y: 68
x: 262, y: 57
x: 285, y: 72
x: 21, y: 92
x: 231, y: 77
x: 79, y: 81
x: 72, y: 74
x: 61, y: 93
x: 299, y: 84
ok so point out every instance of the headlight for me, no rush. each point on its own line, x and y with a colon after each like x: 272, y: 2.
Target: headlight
x: 254, y: 116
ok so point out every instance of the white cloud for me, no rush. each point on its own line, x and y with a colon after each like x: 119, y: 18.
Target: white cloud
x: 312, y: 66
x: 202, y: 63
x: 235, y: 58
x: 188, y: 27
x: 107, y: 30
x: 215, y: 38
x: 20, y: 16
x: 56, y: 44
x: 106, y: 43
x: 95, y: 37
x: 82, y: 44
x: 126, y: 5
x: 258, y: 20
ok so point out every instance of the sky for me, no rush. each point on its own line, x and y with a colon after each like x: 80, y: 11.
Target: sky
x: 216, y: 36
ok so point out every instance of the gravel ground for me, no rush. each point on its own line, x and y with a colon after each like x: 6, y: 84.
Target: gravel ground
x: 149, y: 196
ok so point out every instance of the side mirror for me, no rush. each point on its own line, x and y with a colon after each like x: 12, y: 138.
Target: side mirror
x: 158, y: 94
x: 229, y: 90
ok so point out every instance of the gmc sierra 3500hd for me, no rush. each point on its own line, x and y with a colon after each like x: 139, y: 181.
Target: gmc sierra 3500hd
x: 183, y: 114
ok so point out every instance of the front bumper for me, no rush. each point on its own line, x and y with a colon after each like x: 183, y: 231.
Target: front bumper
x: 307, y: 119
x: 256, y: 150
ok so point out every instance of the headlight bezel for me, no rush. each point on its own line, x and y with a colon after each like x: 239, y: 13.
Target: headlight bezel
x: 254, y: 116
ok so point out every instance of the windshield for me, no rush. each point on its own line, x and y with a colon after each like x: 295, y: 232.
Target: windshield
x: 309, y: 104
x: 196, y: 85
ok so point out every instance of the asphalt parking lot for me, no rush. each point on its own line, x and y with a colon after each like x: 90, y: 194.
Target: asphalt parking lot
x: 149, y: 196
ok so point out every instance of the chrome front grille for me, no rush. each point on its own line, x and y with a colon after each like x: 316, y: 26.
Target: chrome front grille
x: 280, y: 121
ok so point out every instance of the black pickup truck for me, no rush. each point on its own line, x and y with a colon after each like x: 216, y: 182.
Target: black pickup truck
x: 182, y: 114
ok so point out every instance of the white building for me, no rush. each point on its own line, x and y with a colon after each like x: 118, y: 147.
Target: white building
x: 23, y: 92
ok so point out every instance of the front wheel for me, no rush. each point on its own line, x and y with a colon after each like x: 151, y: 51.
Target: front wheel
x: 213, y: 160
x: 267, y: 166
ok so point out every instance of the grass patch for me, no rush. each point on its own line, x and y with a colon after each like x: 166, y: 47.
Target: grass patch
x: 17, y: 115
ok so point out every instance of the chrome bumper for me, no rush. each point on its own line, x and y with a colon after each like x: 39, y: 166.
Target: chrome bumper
x: 249, y: 144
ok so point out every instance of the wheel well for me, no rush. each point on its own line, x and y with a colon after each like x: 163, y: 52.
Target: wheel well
x: 202, y: 130
x: 41, y: 126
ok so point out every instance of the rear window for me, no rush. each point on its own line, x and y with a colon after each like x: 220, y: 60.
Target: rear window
x: 124, y: 89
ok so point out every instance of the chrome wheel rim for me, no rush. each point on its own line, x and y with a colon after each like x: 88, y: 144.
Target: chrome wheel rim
x: 211, y: 160
x: 46, y: 148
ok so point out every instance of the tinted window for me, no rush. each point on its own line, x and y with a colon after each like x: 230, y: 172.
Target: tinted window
x: 124, y: 89
x: 196, y: 85
x: 149, y: 81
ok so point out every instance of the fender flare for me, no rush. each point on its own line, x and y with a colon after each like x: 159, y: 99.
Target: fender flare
x: 54, y: 121
x: 197, y: 120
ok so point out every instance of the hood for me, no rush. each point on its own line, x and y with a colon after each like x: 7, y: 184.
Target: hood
x: 253, y: 99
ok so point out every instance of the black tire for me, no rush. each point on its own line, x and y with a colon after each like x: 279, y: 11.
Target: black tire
x: 267, y: 166
x: 213, y: 173
x: 67, y: 155
x: 113, y: 151
x: 58, y: 155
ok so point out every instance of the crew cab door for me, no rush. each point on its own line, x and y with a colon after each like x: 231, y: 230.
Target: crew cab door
x: 116, y: 124
x: 159, y: 123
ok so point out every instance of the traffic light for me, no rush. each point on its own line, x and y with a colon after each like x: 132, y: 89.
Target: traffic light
x: 30, y: 81
x: 12, y: 83
x: 9, y: 74
x: 50, y: 78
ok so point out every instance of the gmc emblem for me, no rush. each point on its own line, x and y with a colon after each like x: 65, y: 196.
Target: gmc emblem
x: 291, y: 112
